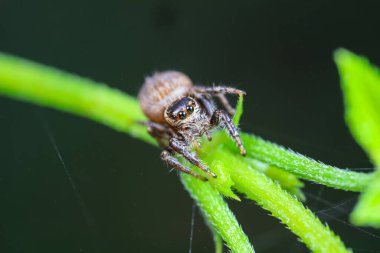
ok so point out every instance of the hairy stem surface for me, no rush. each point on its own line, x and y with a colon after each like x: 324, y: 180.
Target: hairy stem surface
x: 303, y: 166
x: 272, y: 197
x: 218, y: 214
x: 31, y: 82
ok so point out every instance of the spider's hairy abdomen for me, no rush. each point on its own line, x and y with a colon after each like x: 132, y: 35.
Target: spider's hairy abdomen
x: 160, y: 90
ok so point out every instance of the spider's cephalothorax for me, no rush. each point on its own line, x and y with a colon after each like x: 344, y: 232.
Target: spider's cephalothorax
x: 181, y: 113
x: 187, y: 117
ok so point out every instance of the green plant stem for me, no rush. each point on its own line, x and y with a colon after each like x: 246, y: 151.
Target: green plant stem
x: 287, y: 181
x: 32, y: 82
x: 302, y: 166
x: 272, y: 197
x: 218, y: 214
x: 218, y: 242
x: 46, y: 86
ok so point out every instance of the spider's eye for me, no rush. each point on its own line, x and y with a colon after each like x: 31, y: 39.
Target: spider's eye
x: 182, y: 115
x: 189, y: 108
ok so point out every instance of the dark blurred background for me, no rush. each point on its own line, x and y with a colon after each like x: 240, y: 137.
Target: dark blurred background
x: 114, y: 194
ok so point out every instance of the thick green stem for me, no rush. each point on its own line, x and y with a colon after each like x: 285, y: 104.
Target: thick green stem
x: 32, y: 82
x: 287, y: 181
x: 218, y: 214
x: 303, y: 166
x: 272, y: 197
x: 46, y: 86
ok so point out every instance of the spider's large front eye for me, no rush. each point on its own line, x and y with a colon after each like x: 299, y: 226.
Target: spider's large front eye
x: 182, y: 115
x: 189, y: 108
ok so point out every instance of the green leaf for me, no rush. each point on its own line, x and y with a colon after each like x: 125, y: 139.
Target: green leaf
x: 223, y: 182
x: 360, y: 83
x: 367, y: 211
x: 239, y: 111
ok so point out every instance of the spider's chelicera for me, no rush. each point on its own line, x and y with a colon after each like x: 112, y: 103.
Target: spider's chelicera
x: 180, y: 113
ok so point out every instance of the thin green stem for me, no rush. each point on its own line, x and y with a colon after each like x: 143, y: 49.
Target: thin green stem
x: 218, y: 242
x: 218, y: 214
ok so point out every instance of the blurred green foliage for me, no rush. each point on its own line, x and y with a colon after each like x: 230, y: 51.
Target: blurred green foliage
x: 360, y: 83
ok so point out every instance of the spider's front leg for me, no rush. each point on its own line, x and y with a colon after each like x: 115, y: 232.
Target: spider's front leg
x: 220, y: 92
x: 224, y: 101
x: 160, y: 132
x: 167, y: 156
x: 181, y: 149
x: 215, y: 90
x: 221, y: 118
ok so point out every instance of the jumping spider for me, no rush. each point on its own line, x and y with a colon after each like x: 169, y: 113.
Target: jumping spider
x: 180, y: 113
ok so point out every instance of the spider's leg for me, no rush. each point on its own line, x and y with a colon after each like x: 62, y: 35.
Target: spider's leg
x: 219, y: 92
x: 222, y: 98
x: 193, y: 159
x: 171, y: 161
x: 206, y: 102
x: 221, y: 118
x: 160, y: 132
x: 208, y: 136
x: 215, y: 90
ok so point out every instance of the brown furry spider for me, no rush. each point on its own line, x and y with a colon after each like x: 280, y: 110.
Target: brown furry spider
x: 181, y: 113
